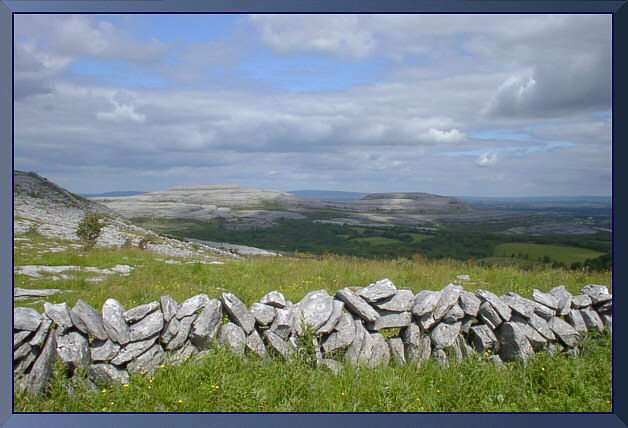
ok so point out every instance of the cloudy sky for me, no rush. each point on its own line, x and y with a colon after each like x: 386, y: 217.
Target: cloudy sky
x: 476, y: 105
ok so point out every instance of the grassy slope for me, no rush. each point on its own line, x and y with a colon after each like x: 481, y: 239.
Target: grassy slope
x: 548, y: 383
x: 558, y: 253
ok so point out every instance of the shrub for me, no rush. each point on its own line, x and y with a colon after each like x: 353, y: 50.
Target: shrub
x: 89, y: 228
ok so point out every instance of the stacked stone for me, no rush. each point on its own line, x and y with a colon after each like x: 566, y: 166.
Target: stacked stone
x: 446, y: 325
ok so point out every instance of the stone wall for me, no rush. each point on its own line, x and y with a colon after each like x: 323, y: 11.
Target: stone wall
x: 446, y: 325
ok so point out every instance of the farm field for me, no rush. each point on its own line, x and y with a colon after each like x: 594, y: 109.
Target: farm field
x: 556, y: 253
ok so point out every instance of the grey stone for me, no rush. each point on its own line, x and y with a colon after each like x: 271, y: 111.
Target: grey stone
x: 448, y: 298
x: 352, y: 355
x: 22, y: 351
x: 540, y: 325
x: 581, y: 301
x: 467, y: 322
x: 497, y: 361
x: 418, y: 344
x: 454, y: 314
x: 390, y: 320
x: 148, y: 326
x: 403, y: 301
x: 148, y: 361
x: 103, y: 350
x: 397, y: 350
x: 444, y: 334
x: 513, y: 343
x: 183, y: 332
x: 295, y: 342
x: 280, y: 345
x: 139, y: 312
x: 520, y: 305
x: 566, y: 333
x: 255, y: 344
x: 335, y: 316
x: 73, y: 349
x: 574, y: 318
x: 113, y: 321
x: 357, y: 305
x: 543, y: 311
x: 597, y: 293
x: 608, y: 322
x: 205, y: 327
x: 170, y: 330
x: 500, y: 307
x: 26, y: 319
x: 425, y: 302
x: 469, y: 303
x: 536, y: 340
x: 41, y: 371
x: 592, y: 319
x: 132, y: 350
x: 489, y: 316
x: 599, y: 299
x: 380, y: 352
x: 342, y: 337
x: 313, y: 310
x: 441, y: 357
x: 182, y: 355
x: 60, y: 314
x: 605, y: 307
x: 264, y: 314
x: 334, y: 366
x: 24, y: 364
x: 42, y: 332
x: 483, y: 339
x: 379, y: 290
x: 427, y: 321
x: 168, y: 307
x: 191, y: 306
x: 545, y: 299
x: 466, y: 349
x: 20, y: 337
x: 282, y: 325
x: 106, y: 373
x: 238, y: 312
x: 564, y: 299
x: 233, y: 336
x: 275, y: 299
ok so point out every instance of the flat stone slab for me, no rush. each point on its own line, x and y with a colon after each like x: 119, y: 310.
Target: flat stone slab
x: 425, y: 302
x: 444, y: 334
x: 282, y: 325
x: 275, y: 299
x: 564, y: 299
x: 418, y: 344
x: 41, y: 371
x: 146, y: 327
x: 581, y: 301
x: 566, y: 333
x: 20, y: 337
x: 181, y: 355
x: 73, y: 349
x: 233, y: 336
x: 543, y: 311
x: 183, y: 332
x: 238, y: 312
x: 314, y: 310
x: 114, y: 323
x: 513, y: 343
x: 500, y: 307
x: 139, y: 312
x: 545, y: 299
x: 132, y: 350
x: 342, y: 337
x: 168, y: 307
x: 352, y: 356
x: 397, y: 350
x: 427, y: 321
x: 191, y: 306
x: 357, y: 305
x: 540, y: 325
x: 469, y: 303
x: 379, y: 290
x: 483, y: 338
x: 26, y: 319
x: 281, y: 346
x: 536, y: 340
x: 489, y: 316
x: 454, y: 314
x: 448, y: 298
x: 519, y: 304
x: 85, y: 315
x: 403, y: 301
x: 148, y: 361
x: 255, y: 344
x: 574, y: 318
x: 390, y: 320
x: 103, y: 350
x: 60, y: 314
x: 205, y: 327
x: 107, y: 373
x: 592, y: 319
x: 380, y: 351
x: 264, y: 314
x: 42, y: 332
x: 597, y: 293
x: 26, y: 293
x: 336, y: 314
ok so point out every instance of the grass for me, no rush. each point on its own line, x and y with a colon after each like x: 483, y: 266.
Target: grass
x: 557, y: 253
x: 222, y: 382
x: 378, y: 240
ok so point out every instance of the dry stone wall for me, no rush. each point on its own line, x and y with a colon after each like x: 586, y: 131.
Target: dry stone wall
x: 450, y: 324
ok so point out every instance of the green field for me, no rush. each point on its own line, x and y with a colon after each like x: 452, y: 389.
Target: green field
x: 556, y: 253
x: 378, y: 240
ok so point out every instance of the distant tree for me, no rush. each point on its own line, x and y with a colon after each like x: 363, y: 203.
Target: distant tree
x: 546, y: 259
x: 89, y: 228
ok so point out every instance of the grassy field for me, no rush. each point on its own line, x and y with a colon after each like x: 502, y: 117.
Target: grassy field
x: 557, y: 253
x: 223, y: 382
x: 378, y: 240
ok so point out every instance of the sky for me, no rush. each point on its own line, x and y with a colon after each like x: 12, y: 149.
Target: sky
x: 473, y: 105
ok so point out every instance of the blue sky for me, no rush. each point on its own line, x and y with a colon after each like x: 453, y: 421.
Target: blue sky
x: 478, y: 105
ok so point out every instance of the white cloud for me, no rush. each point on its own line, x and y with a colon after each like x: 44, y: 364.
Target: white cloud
x: 487, y: 159
x: 451, y: 136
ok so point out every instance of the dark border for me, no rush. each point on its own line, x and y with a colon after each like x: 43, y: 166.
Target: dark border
x: 8, y: 8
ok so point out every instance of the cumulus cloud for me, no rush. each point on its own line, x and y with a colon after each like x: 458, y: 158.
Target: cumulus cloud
x: 487, y: 159
x: 451, y: 136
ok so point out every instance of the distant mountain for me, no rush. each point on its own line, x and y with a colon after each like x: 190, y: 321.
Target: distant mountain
x: 112, y: 194
x: 329, y: 195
